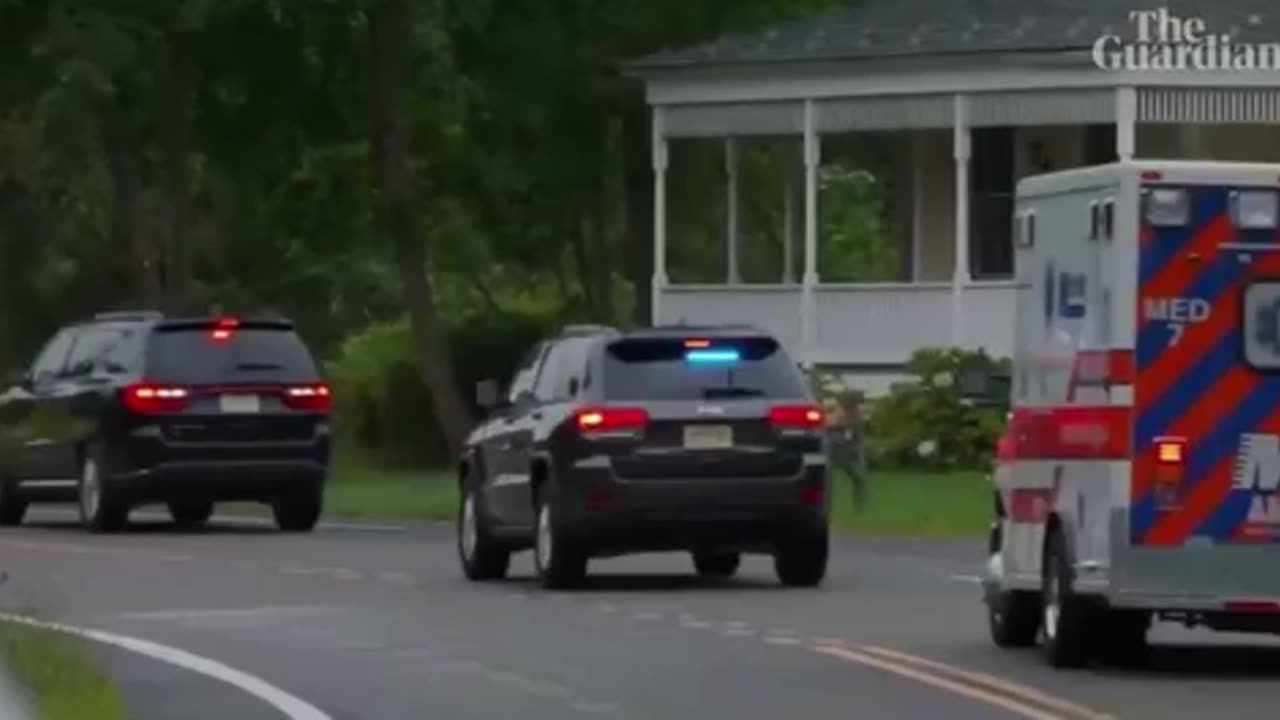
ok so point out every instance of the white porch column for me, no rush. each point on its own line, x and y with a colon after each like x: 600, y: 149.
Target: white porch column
x: 731, y: 205
x: 1126, y: 122
x: 917, y: 204
x: 960, y: 276
x: 789, y: 220
x: 812, y: 160
x: 659, y: 212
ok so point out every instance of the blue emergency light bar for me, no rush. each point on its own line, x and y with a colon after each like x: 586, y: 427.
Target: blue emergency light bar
x: 712, y: 356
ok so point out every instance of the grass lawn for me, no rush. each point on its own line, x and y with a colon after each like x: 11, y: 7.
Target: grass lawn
x: 899, y: 503
x: 64, y: 677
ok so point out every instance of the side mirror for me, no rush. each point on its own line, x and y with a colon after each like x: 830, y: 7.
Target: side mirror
x: 487, y: 394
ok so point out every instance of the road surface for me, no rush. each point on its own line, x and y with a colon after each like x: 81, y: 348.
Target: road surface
x: 371, y: 625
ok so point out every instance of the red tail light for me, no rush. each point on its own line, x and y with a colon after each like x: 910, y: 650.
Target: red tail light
x: 796, y: 417
x: 314, y: 397
x: 150, y: 398
x: 811, y: 496
x: 598, y: 420
x: 223, y: 327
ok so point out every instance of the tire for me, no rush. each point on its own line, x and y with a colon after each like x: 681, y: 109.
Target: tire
x: 717, y: 565
x: 299, y: 511
x: 802, y: 562
x: 1013, y: 617
x: 1124, y: 642
x: 190, y: 513
x: 481, y: 555
x: 1065, y: 616
x: 12, y: 508
x: 558, y: 558
x: 102, y: 510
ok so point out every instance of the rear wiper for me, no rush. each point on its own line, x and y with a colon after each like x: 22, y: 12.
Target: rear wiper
x: 258, y: 366
x: 710, y: 393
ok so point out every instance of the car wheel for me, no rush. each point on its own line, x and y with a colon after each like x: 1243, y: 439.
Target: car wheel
x: 1065, y: 616
x: 101, y: 508
x: 481, y: 555
x: 802, y: 562
x: 298, y: 511
x: 1013, y: 617
x: 716, y: 564
x: 12, y: 508
x: 190, y: 513
x: 558, y: 559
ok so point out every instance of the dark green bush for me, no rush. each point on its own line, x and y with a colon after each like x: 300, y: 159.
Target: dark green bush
x: 381, y: 404
x: 925, y: 424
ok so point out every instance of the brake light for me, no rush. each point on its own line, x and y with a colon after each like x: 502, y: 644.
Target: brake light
x: 697, y: 343
x: 606, y: 420
x: 313, y: 397
x: 796, y: 417
x: 1171, y: 454
x: 1171, y: 451
x: 223, y: 328
x: 149, y: 398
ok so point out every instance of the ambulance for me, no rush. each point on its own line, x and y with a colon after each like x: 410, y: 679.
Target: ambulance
x: 1137, y: 478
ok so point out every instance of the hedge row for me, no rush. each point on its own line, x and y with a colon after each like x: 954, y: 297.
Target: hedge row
x: 382, y: 406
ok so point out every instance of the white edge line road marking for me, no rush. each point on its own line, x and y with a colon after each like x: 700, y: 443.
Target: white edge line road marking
x: 971, y: 579
x: 953, y: 686
x: 1011, y: 688
x: 292, y: 706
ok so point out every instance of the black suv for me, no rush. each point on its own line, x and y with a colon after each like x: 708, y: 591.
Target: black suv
x: 136, y: 408
x: 697, y: 439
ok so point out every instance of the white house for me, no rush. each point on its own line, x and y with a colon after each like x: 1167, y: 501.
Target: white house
x: 988, y: 93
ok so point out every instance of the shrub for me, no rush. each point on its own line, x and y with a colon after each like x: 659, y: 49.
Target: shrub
x: 381, y: 404
x: 925, y: 424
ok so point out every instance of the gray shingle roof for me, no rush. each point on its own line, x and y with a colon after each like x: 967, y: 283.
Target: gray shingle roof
x: 888, y: 28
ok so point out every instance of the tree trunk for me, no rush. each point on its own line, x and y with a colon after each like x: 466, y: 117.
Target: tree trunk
x: 390, y: 26
x: 128, y: 215
x: 177, y: 143
x: 638, y: 188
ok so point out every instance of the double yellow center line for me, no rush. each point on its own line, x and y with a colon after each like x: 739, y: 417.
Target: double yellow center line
x: 1020, y: 700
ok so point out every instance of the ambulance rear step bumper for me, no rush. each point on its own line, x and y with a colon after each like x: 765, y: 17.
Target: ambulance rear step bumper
x: 1254, y: 615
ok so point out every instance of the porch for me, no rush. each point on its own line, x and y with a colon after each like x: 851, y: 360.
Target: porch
x: 964, y: 152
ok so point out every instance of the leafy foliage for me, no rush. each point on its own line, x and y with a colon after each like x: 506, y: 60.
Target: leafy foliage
x: 381, y: 402
x: 925, y: 423
x: 218, y: 153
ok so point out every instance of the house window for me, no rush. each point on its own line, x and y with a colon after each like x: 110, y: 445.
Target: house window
x: 1099, y: 144
x: 992, y: 181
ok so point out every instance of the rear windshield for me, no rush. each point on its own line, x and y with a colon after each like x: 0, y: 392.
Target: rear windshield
x: 674, y: 369
x: 249, y: 355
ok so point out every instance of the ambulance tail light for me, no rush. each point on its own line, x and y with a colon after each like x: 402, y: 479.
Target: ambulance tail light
x: 1171, y: 458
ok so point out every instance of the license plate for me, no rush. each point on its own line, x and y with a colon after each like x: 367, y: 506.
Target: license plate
x: 708, y: 437
x: 239, y: 404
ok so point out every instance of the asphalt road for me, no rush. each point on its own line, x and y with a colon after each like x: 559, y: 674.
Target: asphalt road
x: 375, y: 625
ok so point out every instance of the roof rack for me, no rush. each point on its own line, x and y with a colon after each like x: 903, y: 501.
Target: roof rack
x: 587, y: 329
x: 130, y: 315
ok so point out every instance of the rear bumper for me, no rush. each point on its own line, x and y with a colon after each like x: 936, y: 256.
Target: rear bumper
x: 614, y: 514
x: 149, y: 469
